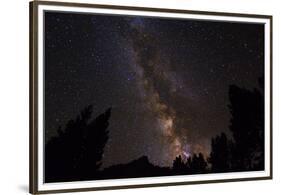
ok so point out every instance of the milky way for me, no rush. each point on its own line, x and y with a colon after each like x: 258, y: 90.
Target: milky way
x: 150, y: 71
x: 166, y: 80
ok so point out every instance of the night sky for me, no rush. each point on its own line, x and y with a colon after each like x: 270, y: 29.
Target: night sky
x: 166, y: 80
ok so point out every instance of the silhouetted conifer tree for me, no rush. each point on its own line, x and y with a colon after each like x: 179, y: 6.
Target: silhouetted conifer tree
x: 247, y: 127
x: 179, y: 165
x: 76, y: 153
x: 220, y: 154
x: 198, y: 164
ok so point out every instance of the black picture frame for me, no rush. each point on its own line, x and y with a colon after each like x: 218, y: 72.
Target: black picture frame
x: 34, y: 96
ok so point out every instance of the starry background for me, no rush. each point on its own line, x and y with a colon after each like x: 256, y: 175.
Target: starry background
x: 166, y: 80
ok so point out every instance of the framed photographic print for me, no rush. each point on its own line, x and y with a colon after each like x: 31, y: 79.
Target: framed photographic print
x: 127, y: 97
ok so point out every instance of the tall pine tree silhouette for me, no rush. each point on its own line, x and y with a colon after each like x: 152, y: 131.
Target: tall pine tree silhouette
x: 245, y: 151
x: 198, y: 164
x: 247, y: 127
x: 195, y: 164
x: 220, y: 154
x: 76, y: 153
x: 179, y: 166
